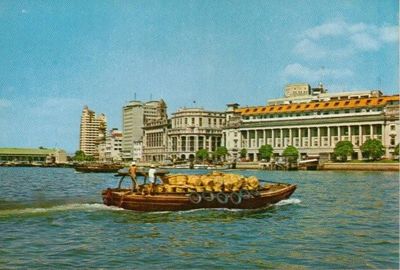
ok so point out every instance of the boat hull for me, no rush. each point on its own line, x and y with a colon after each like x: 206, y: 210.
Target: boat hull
x: 181, y: 202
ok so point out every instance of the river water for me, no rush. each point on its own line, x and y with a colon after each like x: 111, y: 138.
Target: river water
x: 54, y: 218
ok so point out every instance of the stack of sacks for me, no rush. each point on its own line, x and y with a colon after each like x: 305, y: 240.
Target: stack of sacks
x: 215, y: 182
x: 207, y: 182
x: 233, y: 182
x: 218, y: 183
x: 252, y: 183
x: 194, y: 180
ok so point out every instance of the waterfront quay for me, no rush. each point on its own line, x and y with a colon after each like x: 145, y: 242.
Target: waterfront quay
x: 55, y: 218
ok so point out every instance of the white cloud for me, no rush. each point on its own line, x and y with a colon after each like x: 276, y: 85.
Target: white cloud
x: 309, y: 48
x: 365, y: 41
x: 298, y: 72
x: 389, y: 34
x: 327, y: 29
x: 341, y: 39
x: 5, y: 103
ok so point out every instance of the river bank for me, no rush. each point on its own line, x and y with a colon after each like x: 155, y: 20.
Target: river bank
x: 342, y: 166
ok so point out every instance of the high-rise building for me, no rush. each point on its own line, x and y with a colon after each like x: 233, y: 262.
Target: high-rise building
x: 92, y: 132
x: 134, y: 116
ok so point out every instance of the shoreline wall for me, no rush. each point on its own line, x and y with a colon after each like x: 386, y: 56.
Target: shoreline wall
x: 361, y: 166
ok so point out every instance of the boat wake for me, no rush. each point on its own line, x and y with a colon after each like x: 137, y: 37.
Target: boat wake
x: 288, y: 201
x: 59, y: 208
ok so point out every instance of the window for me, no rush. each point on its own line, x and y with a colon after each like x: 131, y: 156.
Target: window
x: 200, y: 121
x: 192, y: 120
x: 392, y: 127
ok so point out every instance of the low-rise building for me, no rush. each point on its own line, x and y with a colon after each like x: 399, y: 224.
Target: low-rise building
x: 110, y: 150
x: 32, y: 155
x: 137, y: 150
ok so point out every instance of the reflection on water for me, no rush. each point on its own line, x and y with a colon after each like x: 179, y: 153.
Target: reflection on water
x: 54, y: 218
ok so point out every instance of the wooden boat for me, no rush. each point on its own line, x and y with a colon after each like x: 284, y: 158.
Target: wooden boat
x: 146, y: 198
x: 98, y: 168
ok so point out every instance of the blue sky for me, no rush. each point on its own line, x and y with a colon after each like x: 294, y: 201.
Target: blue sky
x: 57, y: 56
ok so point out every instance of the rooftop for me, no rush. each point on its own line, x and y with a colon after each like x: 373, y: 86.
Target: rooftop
x: 26, y: 151
x: 320, y: 105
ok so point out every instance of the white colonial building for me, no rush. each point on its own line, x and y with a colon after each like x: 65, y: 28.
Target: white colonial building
x: 314, y: 121
x: 193, y: 129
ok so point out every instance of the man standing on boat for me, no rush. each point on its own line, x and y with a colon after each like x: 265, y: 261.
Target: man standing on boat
x: 152, y: 177
x: 152, y: 173
x: 132, y: 173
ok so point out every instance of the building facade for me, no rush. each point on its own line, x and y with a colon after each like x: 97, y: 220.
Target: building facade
x: 32, y: 155
x: 193, y: 129
x: 155, y: 140
x: 134, y: 116
x: 111, y: 149
x: 316, y: 123
x: 231, y: 136
x: 92, y: 132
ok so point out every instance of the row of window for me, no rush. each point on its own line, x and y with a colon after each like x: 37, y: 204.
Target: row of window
x: 197, y: 121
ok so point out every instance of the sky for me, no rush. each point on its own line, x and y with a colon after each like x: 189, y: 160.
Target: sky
x: 57, y: 56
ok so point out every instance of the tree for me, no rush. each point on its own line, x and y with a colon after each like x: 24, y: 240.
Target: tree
x: 79, y: 156
x: 291, y: 153
x: 243, y: 153
x: 265, y: 152
x: 221, y: 152
x: 202, y: 154
x: 372, y: 148
x: 343, y: 149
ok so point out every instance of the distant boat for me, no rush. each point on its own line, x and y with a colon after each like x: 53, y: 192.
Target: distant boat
x: 98, y: 168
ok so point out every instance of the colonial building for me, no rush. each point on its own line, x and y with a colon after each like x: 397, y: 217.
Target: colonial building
x: 110, y: 150
x: 231, y: 136
x: 134, y: 116
x: 193, y: 129
x: 314, y: 121
x: 155, y: 140
x: 92, y: 132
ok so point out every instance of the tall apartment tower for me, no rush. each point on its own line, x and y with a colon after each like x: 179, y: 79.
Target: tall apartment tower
x: 134, y: 117
x: 92, y: 132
